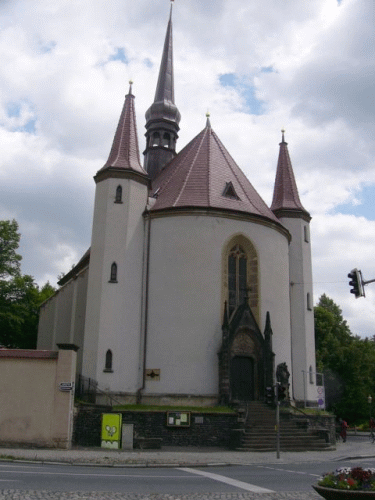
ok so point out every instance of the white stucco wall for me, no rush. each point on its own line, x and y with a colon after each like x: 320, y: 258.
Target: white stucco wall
x: 62, y: 316
x: 113, y: 316
x: 302, y: 318
x: 185, y: 309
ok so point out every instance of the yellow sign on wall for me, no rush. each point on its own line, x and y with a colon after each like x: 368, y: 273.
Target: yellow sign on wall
x: 111, y: 430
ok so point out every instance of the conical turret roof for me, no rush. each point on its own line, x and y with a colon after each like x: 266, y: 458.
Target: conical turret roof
x: 124, y: 153
x: 285, y: 196
x: 204, y: 175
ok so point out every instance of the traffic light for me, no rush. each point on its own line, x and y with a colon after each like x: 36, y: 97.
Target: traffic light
x: 356, y: 282
x: 270, y: 395
x: 281, y: 392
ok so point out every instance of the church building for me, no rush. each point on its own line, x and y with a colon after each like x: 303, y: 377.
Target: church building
x: 193, y: 291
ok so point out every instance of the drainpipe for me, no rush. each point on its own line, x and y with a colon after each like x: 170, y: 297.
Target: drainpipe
x: 146, y: 267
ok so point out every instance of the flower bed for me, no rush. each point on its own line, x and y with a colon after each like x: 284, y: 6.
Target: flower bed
x: 347, y: 482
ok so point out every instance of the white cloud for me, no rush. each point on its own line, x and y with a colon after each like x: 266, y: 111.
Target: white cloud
x: 61, y: 93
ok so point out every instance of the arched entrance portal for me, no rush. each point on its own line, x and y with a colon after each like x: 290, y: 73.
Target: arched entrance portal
x: 242, y: 378
x: 245, y: 357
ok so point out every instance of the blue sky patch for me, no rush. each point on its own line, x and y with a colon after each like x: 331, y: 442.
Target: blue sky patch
x: 13, y: 109
x: 119, y: 55
x: 148, y: 63
x: 254, y: 105
x: 365, y: 209
x: 46, y: 47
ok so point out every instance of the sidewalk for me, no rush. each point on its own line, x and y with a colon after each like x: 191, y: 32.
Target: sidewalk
x: 355, y: 447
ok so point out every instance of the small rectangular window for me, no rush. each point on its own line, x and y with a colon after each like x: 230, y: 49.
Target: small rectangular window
x: 306, y: 231
x: 309, y: 305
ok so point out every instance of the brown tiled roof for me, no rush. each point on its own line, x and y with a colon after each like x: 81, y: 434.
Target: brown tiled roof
x: 285, y: 195
x: 204, y: 175
x: 125, y: 152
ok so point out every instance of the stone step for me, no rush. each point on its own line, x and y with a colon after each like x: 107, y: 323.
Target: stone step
x: 259, y: 433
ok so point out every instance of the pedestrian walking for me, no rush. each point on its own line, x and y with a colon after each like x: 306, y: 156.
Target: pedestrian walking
x: 344, y: 427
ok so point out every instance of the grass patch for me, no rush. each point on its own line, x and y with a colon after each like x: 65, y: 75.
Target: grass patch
x: 307, y: 411
x: 197, y: 409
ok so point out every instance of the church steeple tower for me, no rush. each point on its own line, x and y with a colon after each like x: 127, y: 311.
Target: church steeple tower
x: 287, y: 207
x: 286, y: 201
x: 163, y: 117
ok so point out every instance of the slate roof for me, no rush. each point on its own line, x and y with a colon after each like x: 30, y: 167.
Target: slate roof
x: 125, y: 151
x: 285, y: 195
x: 163, y: 107
x: 204, y: 175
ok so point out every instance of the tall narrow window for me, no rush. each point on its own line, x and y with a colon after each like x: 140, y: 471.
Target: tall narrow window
x: 166, y: 140
x: 306, y: 233
x: 113, y: 277
x: 118, y: 198
x: 311, y: 375
x: 108, y: 361
x: 155, y: 139
x: 237, y: 277
x: 309, y: 305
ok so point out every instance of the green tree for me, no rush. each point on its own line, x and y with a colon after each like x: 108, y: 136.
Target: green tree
x: 20, y: 296
x: 348, y: 362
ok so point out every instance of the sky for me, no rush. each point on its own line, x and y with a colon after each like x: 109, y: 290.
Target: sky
x: 306, y: 67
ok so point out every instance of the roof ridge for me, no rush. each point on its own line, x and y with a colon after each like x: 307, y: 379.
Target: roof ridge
x: 225, y: 153
x: 191, y: 167
x: 208, y: 128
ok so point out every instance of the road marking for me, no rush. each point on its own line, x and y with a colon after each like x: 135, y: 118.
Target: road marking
x: 291, y: 471
x: 227, y: 480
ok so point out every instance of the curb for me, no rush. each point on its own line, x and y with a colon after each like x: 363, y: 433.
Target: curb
x: 115, y: 465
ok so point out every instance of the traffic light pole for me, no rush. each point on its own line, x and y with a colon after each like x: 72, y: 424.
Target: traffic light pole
x: 277, y: 421
x: 358, y: 283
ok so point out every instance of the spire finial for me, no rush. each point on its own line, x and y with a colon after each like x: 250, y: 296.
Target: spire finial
x: 170, y: 12
x: 130, y: 87
x: 282, y: 135
x: 208, y: 123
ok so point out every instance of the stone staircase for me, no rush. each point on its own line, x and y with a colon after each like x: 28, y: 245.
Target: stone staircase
x: 259, y: 433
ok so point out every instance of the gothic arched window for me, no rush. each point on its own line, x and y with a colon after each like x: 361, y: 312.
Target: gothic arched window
x: 118, y: 198
x: 237, y: 277
x: 108, y: 361
x: 113, y: 277
x: 240, y: 278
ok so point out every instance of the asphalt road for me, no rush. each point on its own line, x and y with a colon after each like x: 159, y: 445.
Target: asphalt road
x: 268, y: 478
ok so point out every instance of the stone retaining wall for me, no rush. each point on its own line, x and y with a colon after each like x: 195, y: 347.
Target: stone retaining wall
x: 206, y: 429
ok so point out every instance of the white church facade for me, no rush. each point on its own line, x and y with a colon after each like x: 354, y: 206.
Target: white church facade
x: 193, y: 290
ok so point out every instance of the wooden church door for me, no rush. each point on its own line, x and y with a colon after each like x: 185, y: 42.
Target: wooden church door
x: 242, y: 378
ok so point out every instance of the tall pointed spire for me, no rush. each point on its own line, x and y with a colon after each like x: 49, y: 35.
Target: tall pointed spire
x: 286, y: 201
x: 165, y: 86
x: 163, y: 117
x: 124, y: 153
